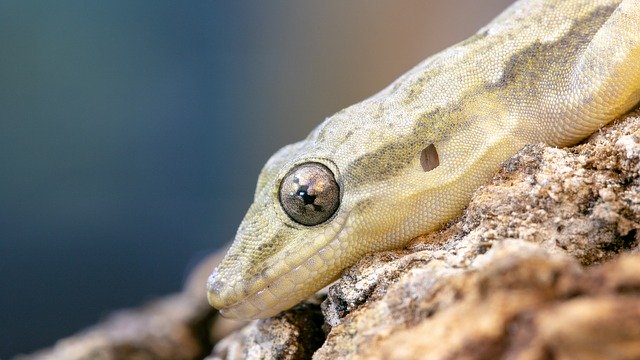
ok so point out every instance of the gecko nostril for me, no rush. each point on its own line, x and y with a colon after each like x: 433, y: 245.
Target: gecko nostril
x: 214, y: 284
x: 215, y: 287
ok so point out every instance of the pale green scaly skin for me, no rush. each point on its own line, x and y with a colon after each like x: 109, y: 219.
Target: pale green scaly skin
x: 543, y: 71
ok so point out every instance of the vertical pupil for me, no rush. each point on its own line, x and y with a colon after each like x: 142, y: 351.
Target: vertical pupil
x: 302, y: 192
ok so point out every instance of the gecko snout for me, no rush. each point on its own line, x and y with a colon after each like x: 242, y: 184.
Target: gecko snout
x: 215, y: 287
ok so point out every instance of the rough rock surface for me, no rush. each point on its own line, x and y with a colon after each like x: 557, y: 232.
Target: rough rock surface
x: 544, y: 263
x: 294, y: 334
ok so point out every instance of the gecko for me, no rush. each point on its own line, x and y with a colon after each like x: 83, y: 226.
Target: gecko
x: 406, y: 160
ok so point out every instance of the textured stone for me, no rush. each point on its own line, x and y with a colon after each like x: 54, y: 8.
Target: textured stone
x: 291, y: 335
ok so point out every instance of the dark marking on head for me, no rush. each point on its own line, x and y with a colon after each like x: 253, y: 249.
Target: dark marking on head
x: 385, y: 162
x: 557, y: 58
x: 390, y: 159
x: 267, y: 249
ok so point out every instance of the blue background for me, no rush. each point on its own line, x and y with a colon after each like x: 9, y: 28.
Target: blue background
x: 132, y: 132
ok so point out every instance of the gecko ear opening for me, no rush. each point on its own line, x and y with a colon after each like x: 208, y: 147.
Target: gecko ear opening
x: 429, y: 159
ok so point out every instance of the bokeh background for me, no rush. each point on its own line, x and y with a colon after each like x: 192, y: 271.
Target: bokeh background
x: 132, y: 132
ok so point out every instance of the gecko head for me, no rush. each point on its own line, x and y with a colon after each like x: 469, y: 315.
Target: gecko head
x: 320, y: 205
x: 281, y: 249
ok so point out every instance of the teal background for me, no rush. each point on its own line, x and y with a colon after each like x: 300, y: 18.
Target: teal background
x: 132, y: 132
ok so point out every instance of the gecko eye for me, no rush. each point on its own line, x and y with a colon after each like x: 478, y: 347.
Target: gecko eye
x: 309, y: 194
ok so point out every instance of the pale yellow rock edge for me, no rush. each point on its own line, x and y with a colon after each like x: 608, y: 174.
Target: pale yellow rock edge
x: 542, y: 71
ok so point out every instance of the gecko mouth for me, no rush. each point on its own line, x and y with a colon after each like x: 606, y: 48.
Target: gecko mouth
x: 278, y: 295
x: 281, y: 291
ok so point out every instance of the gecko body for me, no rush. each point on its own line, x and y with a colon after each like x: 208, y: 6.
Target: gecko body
x: 406, y: 160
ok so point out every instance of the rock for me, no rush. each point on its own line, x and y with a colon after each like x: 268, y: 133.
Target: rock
x: 515, y: 301
x: 291, y: 335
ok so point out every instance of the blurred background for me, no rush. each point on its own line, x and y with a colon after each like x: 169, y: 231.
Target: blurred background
x: 132, y: 132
